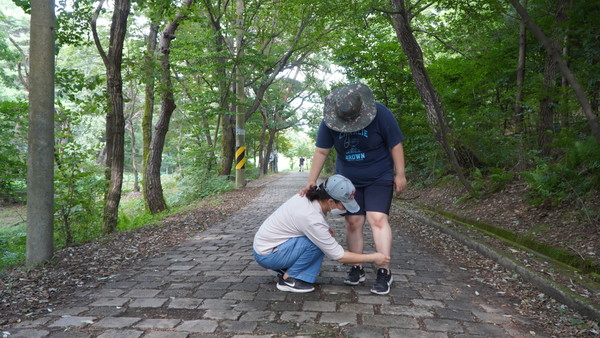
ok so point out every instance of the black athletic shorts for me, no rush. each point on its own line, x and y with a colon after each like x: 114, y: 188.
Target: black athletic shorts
x: 374, y: 197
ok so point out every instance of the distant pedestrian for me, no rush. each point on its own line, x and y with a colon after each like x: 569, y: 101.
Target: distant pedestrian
x: 301, y: 164
x: 295, y: 238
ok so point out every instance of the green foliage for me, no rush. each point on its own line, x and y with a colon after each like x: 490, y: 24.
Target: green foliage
x: 576, y: 174
x: 78, y: 190
x: 492, y: 181
x: 12, y: 246
x: 79, y: 182
x: 200, y: 185
x: 13, y: 147
x: 133, y: 214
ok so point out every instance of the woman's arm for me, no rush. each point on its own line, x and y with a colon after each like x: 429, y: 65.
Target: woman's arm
x: 318, y: 162
x: 355, y: 258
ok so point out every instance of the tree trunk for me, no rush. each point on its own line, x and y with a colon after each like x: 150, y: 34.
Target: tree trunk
x: 429, y: 95
x: 153, y: 186
x: 227, y: 120
x: 518, y: 112
x: 40, y: 169
x: 551, y: 82
x: 115, y: 119
x: 271, y: 150
x: 227, y: 144
x: 564, y: 69
x: 546, y: 124
x: 518, y: 118
x: 205, y: 131
x: 240, y: 120
x: 149, y: 97
x: 562, y: 16
x: 263, y: 157
x: 136, y: 181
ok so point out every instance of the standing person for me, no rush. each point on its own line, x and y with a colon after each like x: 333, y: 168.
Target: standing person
x: 368, y: 142
x: 296, y: 237
x: 301, y: 163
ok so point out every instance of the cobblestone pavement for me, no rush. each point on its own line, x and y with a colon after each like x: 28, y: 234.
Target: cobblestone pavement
x: 211, y: 286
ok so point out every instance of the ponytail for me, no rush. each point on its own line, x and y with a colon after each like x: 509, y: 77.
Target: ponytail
x: 317, y: 192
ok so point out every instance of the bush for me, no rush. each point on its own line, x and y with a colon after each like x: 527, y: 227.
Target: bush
x: 198, y: 186
x: 577, y: 173
x: 12, y: 246
x: 13, y: 150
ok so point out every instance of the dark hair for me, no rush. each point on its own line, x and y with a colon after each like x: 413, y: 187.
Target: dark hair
x: 317, y: 192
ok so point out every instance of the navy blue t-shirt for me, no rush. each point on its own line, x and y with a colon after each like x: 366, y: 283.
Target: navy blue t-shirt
x: 364, y: 156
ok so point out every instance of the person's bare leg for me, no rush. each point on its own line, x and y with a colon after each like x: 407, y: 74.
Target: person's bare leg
x: 382, y: 233
x: 354, y: 233
x: 355, y: 240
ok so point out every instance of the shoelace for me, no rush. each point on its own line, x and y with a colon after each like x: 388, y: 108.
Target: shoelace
x: 355, y: 270
x: 382, y: 277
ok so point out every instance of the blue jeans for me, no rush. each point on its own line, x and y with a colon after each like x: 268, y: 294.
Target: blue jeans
x: 299, y: 256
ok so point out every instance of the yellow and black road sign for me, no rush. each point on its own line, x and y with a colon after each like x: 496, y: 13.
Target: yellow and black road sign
x: 240, y: 158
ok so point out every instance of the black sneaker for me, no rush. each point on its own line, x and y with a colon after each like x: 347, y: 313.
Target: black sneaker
x: 279, y: 271
x: 355, y: 275
x: 383, y: 282
x: 291, y: 284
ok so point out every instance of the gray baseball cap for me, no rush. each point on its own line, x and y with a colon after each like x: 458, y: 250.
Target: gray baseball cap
x: 349, y: 108
x: 340, y: 188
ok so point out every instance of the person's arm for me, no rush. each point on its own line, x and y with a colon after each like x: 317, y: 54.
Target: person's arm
x: 399, y: 175
x: 355, y: 258
x: 318, y: 162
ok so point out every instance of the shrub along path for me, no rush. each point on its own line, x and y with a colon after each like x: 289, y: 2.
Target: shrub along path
x: 209, y: 285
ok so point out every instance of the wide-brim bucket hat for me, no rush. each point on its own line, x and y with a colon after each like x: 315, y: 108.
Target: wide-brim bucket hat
x: 349, y: 108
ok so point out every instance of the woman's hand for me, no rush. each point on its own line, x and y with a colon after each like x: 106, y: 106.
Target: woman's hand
x: 381, y: 259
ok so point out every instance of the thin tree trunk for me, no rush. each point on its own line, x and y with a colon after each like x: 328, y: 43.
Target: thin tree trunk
x: 149, y: 97
x: 263, y: 157
x: 271, y: 150
x: 40, y: 168
x: 240, y: 120
x: 429, y: 95
x: 518, y: 118
x: 205, y: 125
x: 153, y: 186
x: 518, y: 112
x: 546, y: 124
x: 227, y: 121
x: 136, y: 181
x: 564, y: 6
x: 564, y: 69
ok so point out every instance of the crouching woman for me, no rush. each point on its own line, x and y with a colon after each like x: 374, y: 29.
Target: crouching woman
x: 295, y: 238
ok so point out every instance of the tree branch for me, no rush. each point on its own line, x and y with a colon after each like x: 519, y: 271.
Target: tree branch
x: 21, y: 65
x: 447, y: 45
x: 95, y: 32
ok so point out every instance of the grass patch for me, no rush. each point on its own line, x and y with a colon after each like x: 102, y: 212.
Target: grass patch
x: 180, y: 195
x: 12, y: 246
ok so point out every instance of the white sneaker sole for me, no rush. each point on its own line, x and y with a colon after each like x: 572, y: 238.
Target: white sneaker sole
x: 290, y: 289
x: 388, y: 290
x: 360, y: 280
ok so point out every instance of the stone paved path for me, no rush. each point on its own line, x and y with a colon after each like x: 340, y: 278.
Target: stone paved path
x: 210, y: 286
